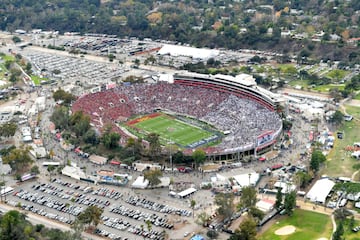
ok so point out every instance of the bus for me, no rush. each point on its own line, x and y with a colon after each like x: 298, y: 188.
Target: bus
x: 27, y: 177
x: 45, y: 164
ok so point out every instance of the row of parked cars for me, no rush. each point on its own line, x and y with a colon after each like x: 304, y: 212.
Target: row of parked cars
x: 107, y: 234
x: 80, y: 198
x: 148, y: 204
x: 49, y: 202
x: 356, y: 229
x: 104, y: 192
x: 142, y: 216
x: 42, y: 212
x: 123, y: 225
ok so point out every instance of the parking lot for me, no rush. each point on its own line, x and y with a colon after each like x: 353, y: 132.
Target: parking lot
x: 125, y: 213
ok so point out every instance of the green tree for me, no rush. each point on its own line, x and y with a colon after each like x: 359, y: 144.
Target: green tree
x: 202, y: 218
x: 79, y: 123
x: 148, y: 225
x: 279, y: 199
x: 35, y: 170
x: 341, y: 214
x: 337, y: 118
x: 339, y: 231
x: 78, y: 227
x: 248, y: 197
x: 135, y: 146
x: 290, y: 202
x: 110, y: 139
x: 60, y: 117
x: 302, y: 179
x: 12, y: 226
x: 351, y: 222
x: 225, y: 203
x: 155, y: 147
x: 256, y: 213
x: 8, y: 129
x: 199, y: 157
x: 60, y: 94
x: 19, y: 159
x: 212, y: 234
x: 246, y: 231
x: 50, y: 169
x: 90, y: 137
x: 192, y: 205
x: 16, y: 39
x: 111, y: 57
x: 28, y: 68
x: 317, y: 158
x: 91, y: 215
x: 153, y: 176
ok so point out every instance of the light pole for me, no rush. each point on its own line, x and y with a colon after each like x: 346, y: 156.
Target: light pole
x: 171, y: 160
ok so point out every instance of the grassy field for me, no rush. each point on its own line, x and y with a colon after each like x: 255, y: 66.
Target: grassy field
x: 348, y: 234
x: 309, y: 226
x: 171, y: 129
x: 337, y: 74
x: 8, y: 58
x: 328, y: 87
x: 37, y: 80
x: 357, y: 97
x: 354, y: 111
x: 339, y: 162
x: 302, y: 83
x: 320, y: 88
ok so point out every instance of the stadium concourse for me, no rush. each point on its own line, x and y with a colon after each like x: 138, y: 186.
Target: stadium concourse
x: 245, y: 120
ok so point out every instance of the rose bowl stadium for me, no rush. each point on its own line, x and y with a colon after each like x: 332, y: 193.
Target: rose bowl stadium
x: 228, y: 117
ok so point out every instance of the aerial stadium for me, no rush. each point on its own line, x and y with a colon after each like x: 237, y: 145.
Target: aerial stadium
x: 228, y: 117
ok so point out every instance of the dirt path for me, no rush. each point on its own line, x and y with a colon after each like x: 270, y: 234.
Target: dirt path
x: 354, y: 174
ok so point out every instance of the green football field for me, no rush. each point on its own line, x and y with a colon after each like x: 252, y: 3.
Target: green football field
x: 173, y: 130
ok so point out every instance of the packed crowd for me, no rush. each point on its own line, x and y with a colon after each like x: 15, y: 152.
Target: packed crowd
x: 242, y: 118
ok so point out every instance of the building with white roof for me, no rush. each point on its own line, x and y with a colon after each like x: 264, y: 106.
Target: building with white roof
x: 195, y: 53
x: 244, y: 180
x: 320, y: 190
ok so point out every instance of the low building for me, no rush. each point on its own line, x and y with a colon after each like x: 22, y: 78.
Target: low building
x: 320, y: 190
x: 98, y: 159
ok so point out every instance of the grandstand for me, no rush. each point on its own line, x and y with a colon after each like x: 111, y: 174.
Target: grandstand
x: 235, y: 106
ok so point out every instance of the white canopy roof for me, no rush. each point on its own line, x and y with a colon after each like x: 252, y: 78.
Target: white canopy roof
x: 243, y: 179
x: 187, y: 192
x: 285, y: 187
x: 73, y: 172
x: 140, y: 182
x: 196, y: 53
x: 320, y: 190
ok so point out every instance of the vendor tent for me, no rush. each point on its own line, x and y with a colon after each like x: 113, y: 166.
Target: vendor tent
x: 320, y: 190
x: 187, y: 192
x: 140, y: 182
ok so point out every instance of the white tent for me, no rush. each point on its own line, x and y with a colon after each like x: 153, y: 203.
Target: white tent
x: 265, y: 205
x: 248, y: 178
x: 285, y: 187
x: 165, y: 182
x: 320, y: 190
x: 186, y: 192
x: 73, y: 172
x: 38, y: 152
x: 195, y: 53
x: 40, y: 103
x: 140, y: 182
